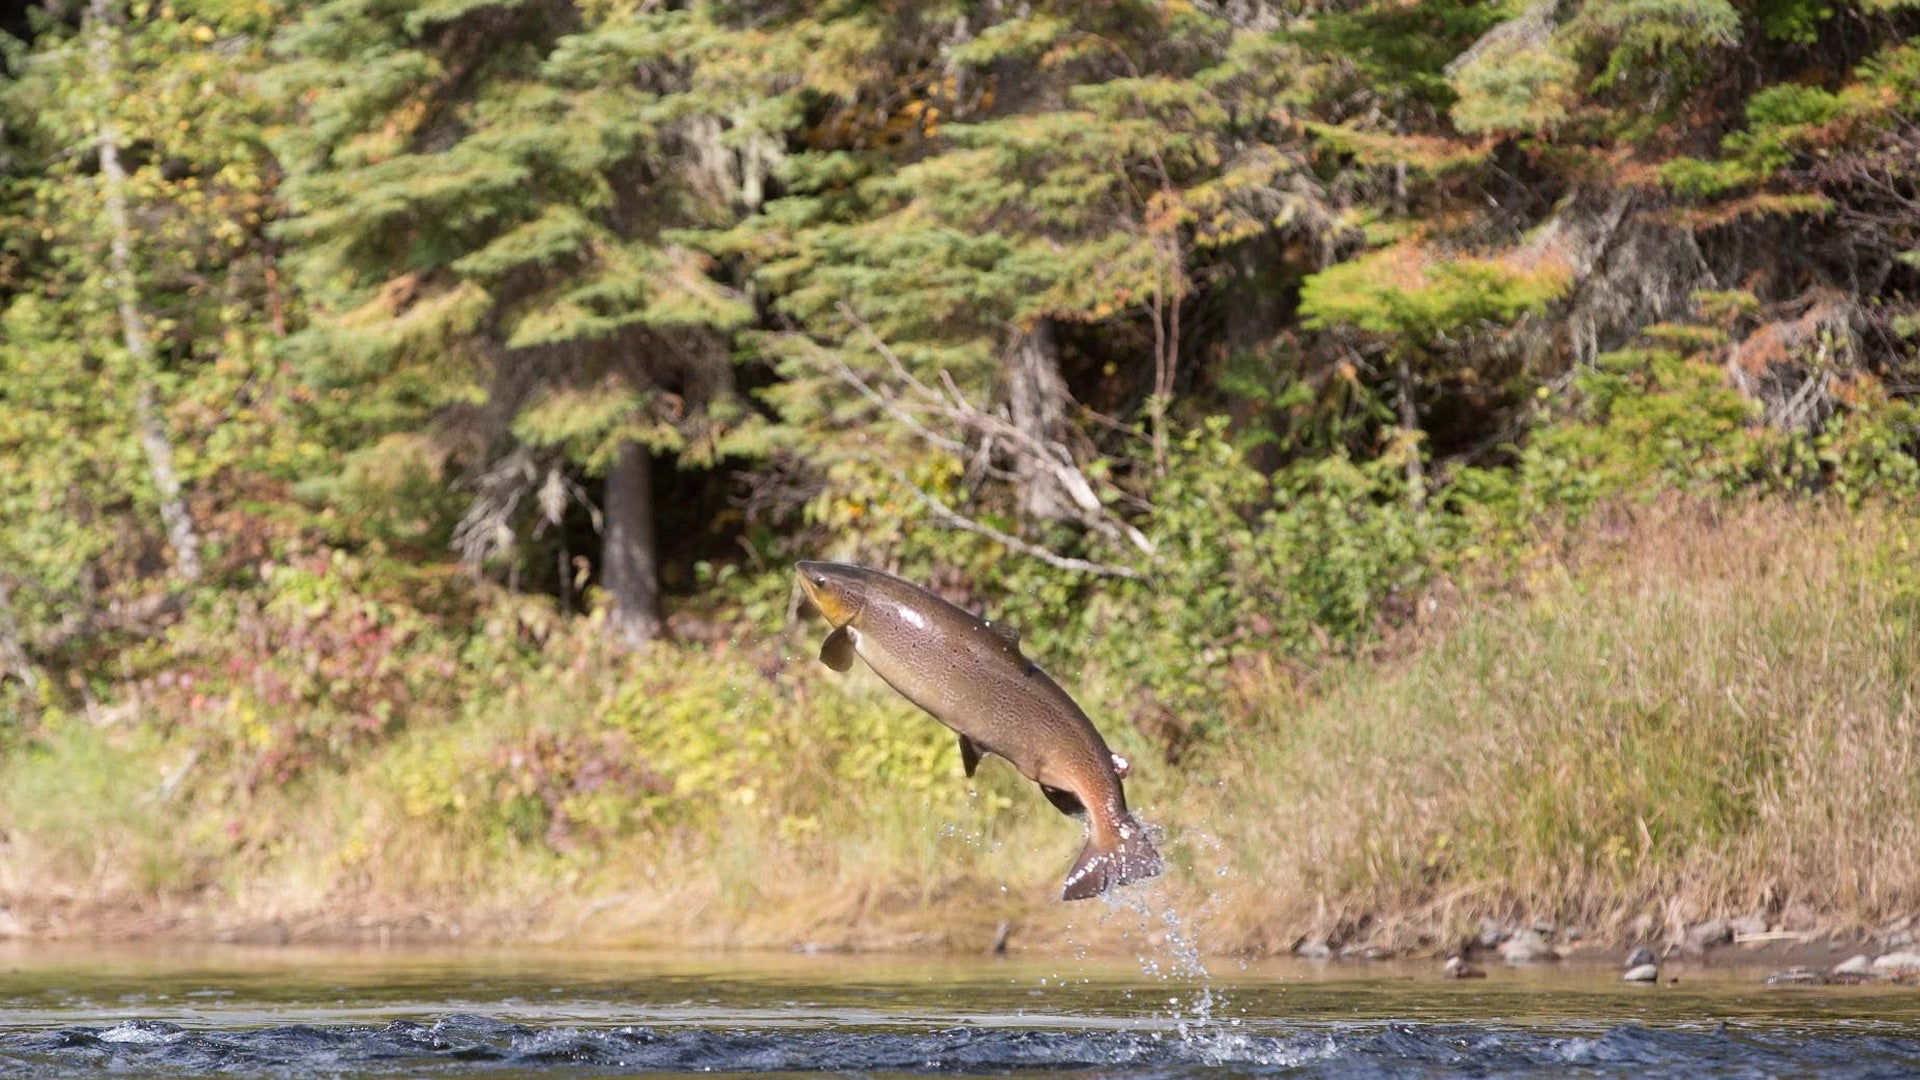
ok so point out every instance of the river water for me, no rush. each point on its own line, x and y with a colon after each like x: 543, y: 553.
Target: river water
x: 295, y: 1012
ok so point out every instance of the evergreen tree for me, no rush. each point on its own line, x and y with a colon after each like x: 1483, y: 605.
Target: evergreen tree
x: 486, y: 238
x: 1014, y: 188
x: 983, y: 262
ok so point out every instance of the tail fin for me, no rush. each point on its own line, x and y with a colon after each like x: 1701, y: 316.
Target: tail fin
x: 1098, y: 869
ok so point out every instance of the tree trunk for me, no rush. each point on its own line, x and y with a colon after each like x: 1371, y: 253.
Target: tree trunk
x: 629, y: 562
x: 13, y: 655
x: 1037, y: 402
x: 1400, y: 166
x: 181, y: 533
x: 1410, y: 430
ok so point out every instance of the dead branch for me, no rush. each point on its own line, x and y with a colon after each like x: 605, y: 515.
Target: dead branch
x: 486, y: 530
x: 951, y: 405
x: 885, y: 403
x: 146, y: 617
x: 958, y: 520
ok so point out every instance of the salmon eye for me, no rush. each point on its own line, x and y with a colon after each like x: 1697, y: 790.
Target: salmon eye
x: 819, y: 579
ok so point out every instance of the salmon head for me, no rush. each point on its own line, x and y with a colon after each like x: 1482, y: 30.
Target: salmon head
x: 837, y: 590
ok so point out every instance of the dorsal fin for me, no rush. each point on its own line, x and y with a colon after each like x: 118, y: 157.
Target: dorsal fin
x: 1005, y: 632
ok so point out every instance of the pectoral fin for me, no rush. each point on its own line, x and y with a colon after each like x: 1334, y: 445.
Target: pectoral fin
x: 970, y: 754
x: 837, y: 651
x: 1064, y: 801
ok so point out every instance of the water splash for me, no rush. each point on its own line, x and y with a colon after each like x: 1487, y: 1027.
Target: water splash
x: 1177, y: 955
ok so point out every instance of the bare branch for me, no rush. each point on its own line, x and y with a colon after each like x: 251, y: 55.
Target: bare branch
x: 953, y: 404
x: 953, y: 390
x: 852, y: 378
x: 958, y: 520
x: 147, y: 617
x: 486, y: 530
x: 893, y: 359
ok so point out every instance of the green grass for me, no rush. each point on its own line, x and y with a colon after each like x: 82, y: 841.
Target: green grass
x: 1699, y: 712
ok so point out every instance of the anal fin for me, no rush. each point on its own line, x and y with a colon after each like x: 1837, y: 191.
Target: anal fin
x: 970, y: 754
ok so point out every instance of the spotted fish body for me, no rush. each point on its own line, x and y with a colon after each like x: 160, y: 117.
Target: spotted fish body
x: 971, y: 676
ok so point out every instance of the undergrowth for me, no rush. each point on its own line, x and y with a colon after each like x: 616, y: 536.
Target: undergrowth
x: 1704, y: 708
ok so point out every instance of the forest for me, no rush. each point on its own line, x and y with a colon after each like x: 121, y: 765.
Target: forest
x: 1465, y: 452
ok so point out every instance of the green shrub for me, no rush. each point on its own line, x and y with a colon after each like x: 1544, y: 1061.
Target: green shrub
x: 1650, y: 417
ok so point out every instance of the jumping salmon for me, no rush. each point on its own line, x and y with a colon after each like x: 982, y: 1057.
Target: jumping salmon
x: 971, y: 675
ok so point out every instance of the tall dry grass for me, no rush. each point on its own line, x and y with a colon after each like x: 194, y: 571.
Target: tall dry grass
x: 1717, y: 712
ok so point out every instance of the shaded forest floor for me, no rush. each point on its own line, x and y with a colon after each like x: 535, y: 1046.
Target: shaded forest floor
x: 1688, y: 713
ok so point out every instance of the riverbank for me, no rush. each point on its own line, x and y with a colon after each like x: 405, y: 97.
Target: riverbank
x: 1689, y: 714
x: 1136, y: 930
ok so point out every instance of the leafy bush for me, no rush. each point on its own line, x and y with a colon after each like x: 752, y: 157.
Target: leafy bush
x: 1647, y: 417
x: 1307, y: 561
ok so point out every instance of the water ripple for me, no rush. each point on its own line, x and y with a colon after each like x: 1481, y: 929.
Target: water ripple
x: 467, y: 1044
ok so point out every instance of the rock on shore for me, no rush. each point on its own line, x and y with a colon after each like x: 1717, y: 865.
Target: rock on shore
x: 1528, y: 947
x: 1898, y: 965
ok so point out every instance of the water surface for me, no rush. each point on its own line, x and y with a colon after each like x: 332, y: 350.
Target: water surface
x: 365, y: 1013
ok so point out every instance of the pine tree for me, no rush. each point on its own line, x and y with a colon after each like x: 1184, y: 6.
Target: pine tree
x: 1411, y: 301
x: 1017, y: 187
x: 486, y: 233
